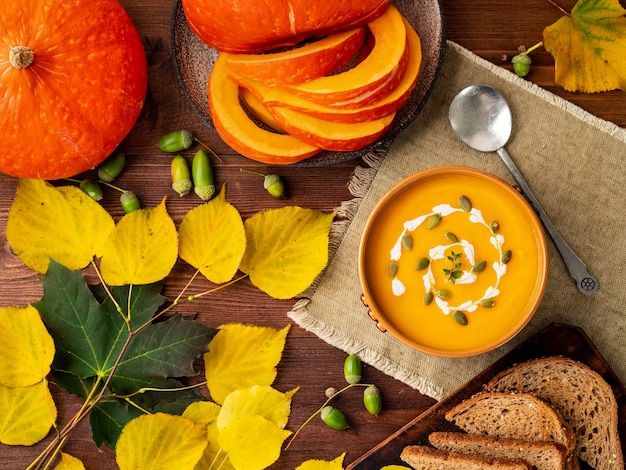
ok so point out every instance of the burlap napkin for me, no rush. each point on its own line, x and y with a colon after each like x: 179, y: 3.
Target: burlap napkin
x: 573, y: 162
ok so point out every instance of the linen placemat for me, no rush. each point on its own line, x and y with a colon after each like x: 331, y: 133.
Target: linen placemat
x: 575, y: 164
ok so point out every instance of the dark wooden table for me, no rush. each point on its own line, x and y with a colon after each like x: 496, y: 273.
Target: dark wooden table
x: 491, y: 28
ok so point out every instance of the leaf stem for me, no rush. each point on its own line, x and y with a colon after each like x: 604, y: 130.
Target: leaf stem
x: 153, y: 389
x: 106, y: 288
x: 536, y: 46
x: 215, y: 289
x: 209, y: 149
x: 559, y: 7
x: 177, y: 299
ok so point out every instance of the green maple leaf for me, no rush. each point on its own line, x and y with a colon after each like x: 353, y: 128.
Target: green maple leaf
x: 89, y: 334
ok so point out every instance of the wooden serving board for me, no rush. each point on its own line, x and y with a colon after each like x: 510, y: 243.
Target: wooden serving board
x: 554, y: 340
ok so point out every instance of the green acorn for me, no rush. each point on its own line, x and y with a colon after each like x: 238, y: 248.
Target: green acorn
x: 521, y: 64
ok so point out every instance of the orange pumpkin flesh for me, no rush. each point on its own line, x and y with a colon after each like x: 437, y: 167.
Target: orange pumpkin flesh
x: 257, y: 109
x: 240, y: 132
x: 328, y: 135
x: 73, y: 104
x: 249, y: 26
x: 301, y: 64
x: 276, y: 97
x: 383, y: 66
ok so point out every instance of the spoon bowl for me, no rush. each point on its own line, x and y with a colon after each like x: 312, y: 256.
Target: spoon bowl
x: 481, y: 117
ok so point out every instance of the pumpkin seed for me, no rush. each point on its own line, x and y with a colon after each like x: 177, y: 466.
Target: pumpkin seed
x: 422, y: 263
x: 506, y: 256
x: 480, y: 266
x: 433, y: 221
x: 494, y: 226
x: 392, y: 269
x: 444, y: 294
x: 465, y: 203
x: 460, y: 317
x: 487, y: 303
x: 407, y: 241
x: 428, y: 298
x: 451, y: 237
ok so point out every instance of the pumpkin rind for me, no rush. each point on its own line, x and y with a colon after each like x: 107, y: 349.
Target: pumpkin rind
x: 276, y: 97
x: 312, y: 60
x: 250, y: 26
x: 82, y: 94
x: 376, y: 75
x: 242, y: 134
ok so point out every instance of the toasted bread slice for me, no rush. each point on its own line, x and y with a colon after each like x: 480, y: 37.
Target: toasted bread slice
x: 542, y: 455
x: 427, y: 458
x: 513, y: 415
x: 581, y: 395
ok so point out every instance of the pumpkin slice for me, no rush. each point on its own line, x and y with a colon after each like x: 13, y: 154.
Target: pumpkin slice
x: 313, y: 60
x: 257, y: 110
x: 73, y: 79
x: 382, y: 66
x: 329, y: 135
x: 272, y: 96
x: 250, y: 26
x: 240, y: 132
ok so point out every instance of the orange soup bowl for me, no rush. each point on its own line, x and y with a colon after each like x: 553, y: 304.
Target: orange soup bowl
x: 453, y: 262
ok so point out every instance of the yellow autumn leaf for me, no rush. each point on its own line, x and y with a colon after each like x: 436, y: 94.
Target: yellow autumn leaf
x: 27, y: 415
x: 212, y: 239
x: 61, y: 223
x: 241, y: 356
x: 589, y: 47
x: 336, y: 464
x: 160, y: 441
x: 205, y: 413
x: 252, y: 442
x: 287, y: 248
x: 142, y: 249
x: 260, y: 400
x: 26, y: 349
x: 69, y: 462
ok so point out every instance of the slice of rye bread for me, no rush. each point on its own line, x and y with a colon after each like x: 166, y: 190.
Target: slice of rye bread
x: 583, y: 398
x: 514, y: 415
x: 428, y: 458
x: 542, y: 455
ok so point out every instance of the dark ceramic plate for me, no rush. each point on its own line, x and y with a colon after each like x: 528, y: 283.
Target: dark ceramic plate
x: 193, y: 61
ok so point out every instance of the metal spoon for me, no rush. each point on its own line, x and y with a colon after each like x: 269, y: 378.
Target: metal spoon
x: 481, y: 117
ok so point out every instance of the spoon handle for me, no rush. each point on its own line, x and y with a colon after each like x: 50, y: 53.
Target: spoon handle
x: 586, y: 283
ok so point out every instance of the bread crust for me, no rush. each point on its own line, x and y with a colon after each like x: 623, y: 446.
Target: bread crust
x: 512, y: 415
x: 428, y: 458
x: 541, y: 454
x: 583, y: 398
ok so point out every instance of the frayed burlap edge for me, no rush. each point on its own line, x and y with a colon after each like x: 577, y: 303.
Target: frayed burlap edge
x: 359, y: 185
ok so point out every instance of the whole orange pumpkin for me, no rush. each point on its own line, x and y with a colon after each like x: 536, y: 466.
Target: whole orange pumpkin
x: 250, y: 26
x: 73, y: 80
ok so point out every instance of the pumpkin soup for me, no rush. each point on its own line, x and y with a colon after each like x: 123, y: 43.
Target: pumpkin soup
x: 453, y: 261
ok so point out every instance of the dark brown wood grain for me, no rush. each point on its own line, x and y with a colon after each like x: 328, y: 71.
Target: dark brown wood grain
x: 490, y: 28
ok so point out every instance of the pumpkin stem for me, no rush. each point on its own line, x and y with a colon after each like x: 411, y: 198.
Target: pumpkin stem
x: 21, y: 57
